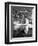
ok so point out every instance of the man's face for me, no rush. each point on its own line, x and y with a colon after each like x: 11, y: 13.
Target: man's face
x: 20, y: 17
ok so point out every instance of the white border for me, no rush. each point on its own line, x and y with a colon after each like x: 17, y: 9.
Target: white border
x: 24, y: 38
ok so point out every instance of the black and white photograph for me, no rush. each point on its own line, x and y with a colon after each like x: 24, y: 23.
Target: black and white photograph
x: 21, y: 22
